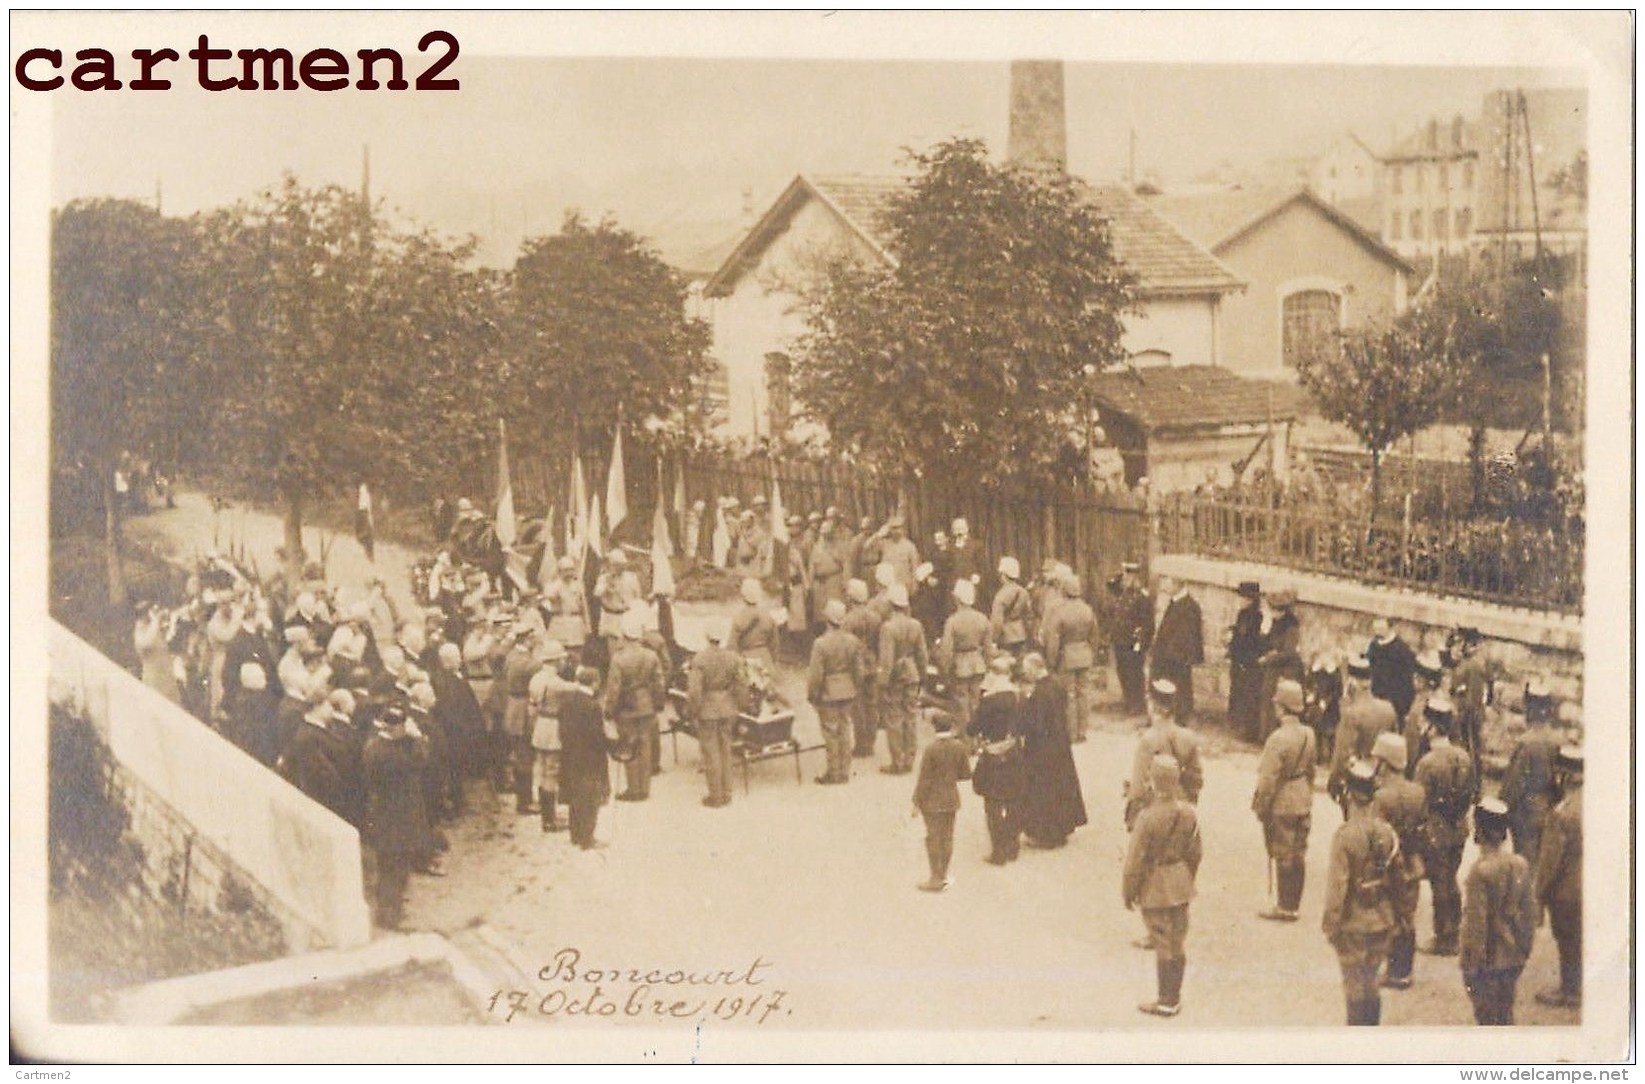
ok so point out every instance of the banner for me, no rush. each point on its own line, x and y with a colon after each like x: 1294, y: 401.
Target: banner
x: 507, y: 529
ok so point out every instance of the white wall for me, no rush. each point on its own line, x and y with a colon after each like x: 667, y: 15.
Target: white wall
x: 1181, y: 327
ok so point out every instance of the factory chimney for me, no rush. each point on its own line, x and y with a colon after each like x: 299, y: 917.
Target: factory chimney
x: 1038, y: 136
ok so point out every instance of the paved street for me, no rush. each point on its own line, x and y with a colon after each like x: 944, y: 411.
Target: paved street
x: 818, y: 885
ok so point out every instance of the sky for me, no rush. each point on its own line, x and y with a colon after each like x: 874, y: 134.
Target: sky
x: 677, y: 147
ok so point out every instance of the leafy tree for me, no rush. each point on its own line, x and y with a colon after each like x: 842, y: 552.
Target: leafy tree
x: 596, y: 322
x: 1385, y: 383
x: 967, y: 359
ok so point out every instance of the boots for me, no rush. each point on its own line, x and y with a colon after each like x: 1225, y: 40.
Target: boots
x: 1365, y: 1012
x: 1169, y: 1003
x: 546, y: 804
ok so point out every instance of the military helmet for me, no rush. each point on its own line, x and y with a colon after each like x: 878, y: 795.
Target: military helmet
x: 1362, y: 780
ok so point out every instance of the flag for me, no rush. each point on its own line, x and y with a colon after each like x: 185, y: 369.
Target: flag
x: 779, y: 521
x: 662, y: 549
x: 507, y: 529
x: 660, y: 538
x: 616, y: 484
x: 546, y: 562
x: 595, y: 539
x: 721, y: 540
x: 576, y: 519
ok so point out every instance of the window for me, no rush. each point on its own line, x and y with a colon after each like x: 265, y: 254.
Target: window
x: 779, y: 402
x: 1416, y: 225
x: 1312, y: 319
x: 1441, y: 224
x: 1465, y: 222
x: 1396, y: 231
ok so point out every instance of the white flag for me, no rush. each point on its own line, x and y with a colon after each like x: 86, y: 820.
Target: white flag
x: 616, y: 484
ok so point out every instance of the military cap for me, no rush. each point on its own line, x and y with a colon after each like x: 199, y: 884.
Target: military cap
x: 553, y: 651
x: 1362, y: 779
x: 759, y: 501
x: 831, y: 513
x: 814, y: 517
x: 1009, y: 568
x: 966, y: 592
x: 1390, y: 749
x: 885, y: 574
x: 896, y: 521
x: 1491, y: 817
x: 897, y: 595
x: 960, y: 526
x: 856, y: 591
x: 834, y: 612
x: 795, y: 520
x: 1249, y: 589
x: 1538, y: 697
x: 1569, y: 758
x: 464, y: 504
x: 1359, y: 667
x: 1288, y: 696
x: 1163, y: 691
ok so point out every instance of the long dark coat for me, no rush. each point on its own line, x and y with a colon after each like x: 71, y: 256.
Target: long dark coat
x: 1244, y: 675
x: 998, y: 716
x: 1051, y: 805
x: 583, y: 744
x: 396, y: 819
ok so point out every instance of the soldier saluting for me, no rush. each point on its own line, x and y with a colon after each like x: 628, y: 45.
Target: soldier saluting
x: 1359, y: 910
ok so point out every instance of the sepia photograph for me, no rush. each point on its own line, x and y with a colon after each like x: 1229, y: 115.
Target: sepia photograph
x: 802, y: 537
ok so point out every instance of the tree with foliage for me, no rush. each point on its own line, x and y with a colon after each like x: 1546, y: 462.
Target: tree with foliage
x: 967, y: 358
x: 1385, y: 383
x: 597, y: 331
x: 124, y: 324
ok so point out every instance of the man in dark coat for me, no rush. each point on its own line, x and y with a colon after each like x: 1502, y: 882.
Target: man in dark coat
x: 460, y: 717
x: 396, y: 821
x: 316, y: 759
x: 997, y: 729
x: 1244, y: 675
x: 1132, y: 635
x: 1052, y: 805
x: 1559, y: 879
x: 1179, y: 644
x: 943, y: 765
x: 1393, y: 668
x: 584, y: 746
x: 1281, y: 652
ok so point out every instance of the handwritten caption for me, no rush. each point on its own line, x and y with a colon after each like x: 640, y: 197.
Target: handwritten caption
x: 569, y: 988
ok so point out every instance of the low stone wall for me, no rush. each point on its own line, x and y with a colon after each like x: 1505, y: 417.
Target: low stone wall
x: 1337, y: 614
x: 199, y: 796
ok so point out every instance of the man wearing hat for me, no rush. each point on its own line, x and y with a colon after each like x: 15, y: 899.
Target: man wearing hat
x: 902, y: 665
x: 1499, y: 918
x: 1244, y: 675
x: 1132, y: 635
x: 316, y: 759
x: 1470, y: 691
x: 1446, y: 776
x: 1559, y: 879
x: 1163, y: 737
x: 863, y: 623
x: 964, y: 650
x: 1364, y: 719
x: 617, y: 591
x: 828, y: 567
x: 753, y: 634
x: 899, y: 551
x: 1012, y: 612
x: 519, y: 666
x: 943, y: 765
x: 1528, y: 783
x: 1393, y: 667
x: 833, y: 683
x: 397, y: 826
x: 1070, y: 638
x: 713, y: 686
x: 865, y: 550
x: 1359, y: 910
x: 997, y: 729
x: 1284, y: 799
x: 567, y: 607
x: 1179, y: 644
x: 548, y: 685
x: 928, y: 602
x: 634, y: 692
x: 1160, y: 866
x: 584, y: 747
x: 1404, y: 806
x: 1281, y: 650
x: 797, y: 579
x: 965, y: 559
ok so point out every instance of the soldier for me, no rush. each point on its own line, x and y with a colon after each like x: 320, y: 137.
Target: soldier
x: 1070, y: 635
x: 1244, y: 675
x: 568, y: 608
x: 1559, y: 879
x: 1404, y: 806
x: 866, y: 546
x: 1470, y: 692
x: 711, y: 704
x: 899, y: 551
x: 1499, y: 918
x: 634, y: 691
x: 1132, y: 635
x: 964, y: 650
x: 1528, y: 783
x: 1179, y: 644
x: 617, y: 590
x: 1359, y: 910
x: 828, y: 568
x: 1393, y: 668
x: 1364, y: 718
x: 519, y: 666
x: 1284, y: 799
x: 547, y: 687
x: 1164, y: 737
x: 943, y: 765
x: 753, y: 634
x: 1448, y: 784
x: 832, y: 685
x: 1160, y: 866
x: 902, y: 665
x: 863, y: 623
x: 1013, y: 610
x: 997, y: 727
x: 797, y: 567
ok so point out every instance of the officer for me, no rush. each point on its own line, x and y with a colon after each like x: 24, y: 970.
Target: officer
x: 1498, y: 918
x: 1359, y: 910
x: 1164, y: 737
x: 1284, y: 799
x: 964, y: 650
x: 902, y: 665
x: 1470, y: 692
x: 711, y: 703
x: 832, y: 685
x: 520, y: 665
x: 863, y: 623
x: 1404, y: 806
x: 1160, y: 866
x: 1070, y: 637
x: 634, y: 692
x: 1528, y: 783
x: 1559, y: 879
x: 1446, y: 776
x: 1013, y: 610
x: 753, y: 634
x: 617, y: 590
x: 1133, y: 634
x: 1364, y: 719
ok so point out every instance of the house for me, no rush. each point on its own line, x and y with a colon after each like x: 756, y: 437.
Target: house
x: 1430, y: 190
x: 1347, y: 175
x: 1311, y: 271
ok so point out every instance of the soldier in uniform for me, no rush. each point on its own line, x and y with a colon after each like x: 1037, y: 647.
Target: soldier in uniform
x: 1179, y: 644
x: 1160, y: 866
x: 753, y: 634
x: 1364, y: 719
x: 1244, y: 675
x: 899, y: 551
x: 1499, y: 918
x: 1069, y: 635
x: 617, y: 590
x: 963, y: 651
x: 1359, y: 911
x: 547, y: 687
x: 1132, y: 634
x: 902, y: 665
x: 568, y: 609
x: 997, y: 729
x: 1284, y: 799
x: 1470, y: 691
x: 1164, y: 737
x: 828, y: 571
x: 1528, y: 783
x: 711, y: 703
x: 1404, y: 806
x: 1448, y: 785
x: 832, y: 685
x: 634, y: 692
x: 519, y: 666
x: 1013, y: 610
x: 863, y: 624
x: 1559, y: 879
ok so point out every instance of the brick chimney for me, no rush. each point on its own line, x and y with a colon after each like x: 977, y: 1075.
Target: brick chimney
x: 1039, y: 128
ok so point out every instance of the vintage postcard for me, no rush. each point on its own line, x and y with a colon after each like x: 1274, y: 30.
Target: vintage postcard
x: 822, y: 537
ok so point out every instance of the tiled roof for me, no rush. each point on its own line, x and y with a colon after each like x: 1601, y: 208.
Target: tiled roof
x: 1216, y: 218
x: 864, y: 199
x: 1189, y: 397
x: 1164, y: 259
x: 1416, y: 145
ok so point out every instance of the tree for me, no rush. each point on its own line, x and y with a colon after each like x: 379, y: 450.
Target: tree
x: 124, y: 324
x: 1385, y: 383
x: 967, y: 358
x: 596, y: 323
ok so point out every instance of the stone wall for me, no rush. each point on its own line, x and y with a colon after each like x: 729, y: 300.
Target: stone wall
x: 1337, y: 614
